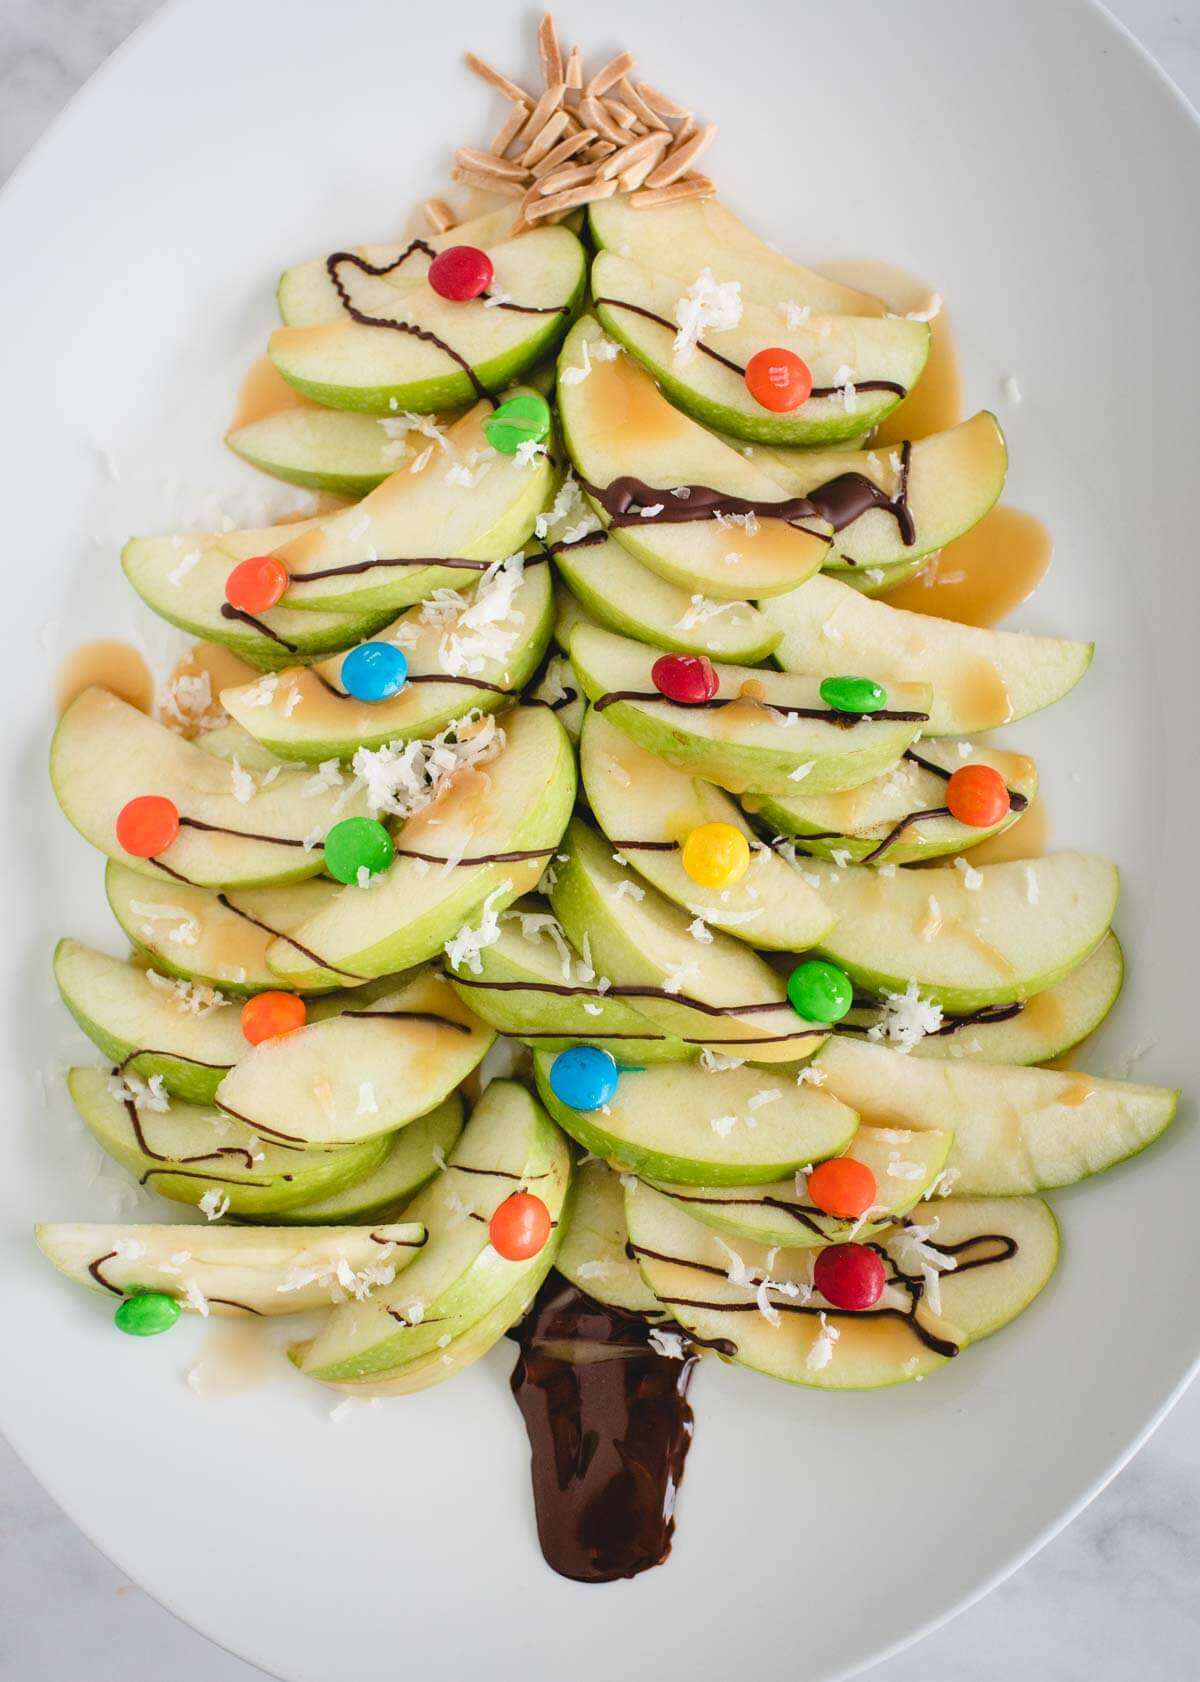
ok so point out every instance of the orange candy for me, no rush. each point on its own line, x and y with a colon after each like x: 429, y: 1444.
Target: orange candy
x: 978, y: 795
x: 778, y: 380
x: 257, y: 584
x: 520, y: 1226
x: 842, y: 1187
x: 147, y: 825
x: 267, y: 1015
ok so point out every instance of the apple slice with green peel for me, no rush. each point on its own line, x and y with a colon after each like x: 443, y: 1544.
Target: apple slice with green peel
x: 592, y: 1254
x: 1011, y: 1245
x: 950, y: 481
x: 683, y: 239
x: 147, y: 1023
x: 414, y: 1156
x: 182, y: 577
x: 307, y: 296
x: 1016, y: 931
x: 714, y: 993
x: 458, y: 350
x: 1015, y: 1130
x: 624, y: 596
x: 723, y: 1127
x: 861, y: 366
x: 232, y: 1269
x: 361, y: 1073
x: 509, y: 1144
x: 533, y: 986
x: 188, y: 1151
x: 466, y: 503
x: 517, y: 802
x: 637, y: 798
x: 327, y: 449
x: 106, y: 753
x: 198, y: 934
x: 486, y: 644
x: 617, y: 424
x: 1046, y: 1026
x: 765, y: 731
x: 230, y: 742
x: 980, y: 678
x: 559, y: 689
x: 868, y: 822
x: 905, y: 1164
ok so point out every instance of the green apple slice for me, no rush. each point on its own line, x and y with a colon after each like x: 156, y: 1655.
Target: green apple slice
x: 534, y: 986
x: 682, y: 239
x: 190, y: 1152
x: 232, y: 1269
x: 722, y: 1127
x: 752, y: 742
x: 636, y: 797
x: 1043, y: 1027
x: 953, y: 478
x: 508, y: 1144
x: 459, y: 500
x: 905, y: 1164
x: 148, y: 1024
x: 414, y: 1156
x: 715, y: 993
x: 1020, y: 928
x: 182, y: 577
x: 866, y: 365
x: 592, y: 1254
x: 361, y: 1073
x: 687, y: 1266
x: 1015, y: 1130
x: 624, y: 596
x: 230, y: 742
x: 519, y: 802
x: 198, y: 934
x: 496, y: 634
x: 558, y: 688
x: 616, y: 422
x: 347, y: 365
x: 869, y: 821
x: 105, y: 753
x: 327, y: 449
x: 980, y: 678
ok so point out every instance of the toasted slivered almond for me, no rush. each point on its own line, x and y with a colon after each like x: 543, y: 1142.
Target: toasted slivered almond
x: 623, y: 115
x: 509, y: 129
x: 439, y: 215
x: 488, y: 183
x: 626, y: 156
x: 681, y: 157
x: 471, y: 158
x: 544, y: 139
x: 561, y: 179
x: 566, y: 149
x: 573, y: 197
x: 573, y: 75
x: 599, y: 149
x: 691, y: 187
x: 630, y: 179
x: 545, y: 108
x: 629, y: 94
x: 662, y: 103
x: 496, y: 79
x: 610, y: 73
x: 549, y: 52
x: 594, y: 114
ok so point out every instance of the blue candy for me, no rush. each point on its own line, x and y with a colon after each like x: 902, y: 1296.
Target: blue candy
x: 374, y: 671
x: 584, y: 1078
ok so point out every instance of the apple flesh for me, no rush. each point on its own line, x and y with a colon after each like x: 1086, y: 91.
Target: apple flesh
x: 326, y: 449
x: 593, y: 1252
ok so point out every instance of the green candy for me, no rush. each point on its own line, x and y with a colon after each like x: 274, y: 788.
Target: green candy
x: 146, y: 1313
x: 819, y: 992
x: 522, y: 420
x: 357, y: 844
x: 853, y: 694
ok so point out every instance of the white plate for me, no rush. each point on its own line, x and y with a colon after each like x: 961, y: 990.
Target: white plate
x: 1032, y: 163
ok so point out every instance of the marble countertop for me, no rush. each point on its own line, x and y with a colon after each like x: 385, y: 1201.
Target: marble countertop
x: 1116, y: 1590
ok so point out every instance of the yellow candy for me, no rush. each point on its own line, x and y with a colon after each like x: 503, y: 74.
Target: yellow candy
x: 716, y: 855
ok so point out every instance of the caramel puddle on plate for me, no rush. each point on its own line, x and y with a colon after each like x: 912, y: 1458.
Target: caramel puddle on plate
x: 224, y: 670
x: 1028, y: 838
x: 113, y: 665
x: 983, y: 575
x: 235, y: 1357
x: 263, y: 392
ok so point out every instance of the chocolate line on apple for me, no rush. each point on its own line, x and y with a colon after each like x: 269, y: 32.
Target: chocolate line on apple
x: 241, y: 834
x: 803, y: 1213
x: 736, y: 367
x: 518, y: 857
x: 175, y: 1057
x: 95, y: 1267
x: 228, y: 611
x: 831, y: 715
x: 983, y: 1016
x: 498, y: 1173
x: 456, y: 563
x: 305, y: 951
x: 565, y: 990
x: 409, y: 1016
x: 144, y: 1145
x: 417, y: 677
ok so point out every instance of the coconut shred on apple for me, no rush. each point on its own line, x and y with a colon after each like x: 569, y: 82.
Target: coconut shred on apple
x: 585, y: 908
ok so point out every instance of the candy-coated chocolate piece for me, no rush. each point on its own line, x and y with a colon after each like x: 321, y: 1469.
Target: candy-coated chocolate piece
x: 267, y: 1015
x: 686, y: 678
x: 147, y: 1313
x: 842, y: 1187
x: 358, y: 844
x: 147, y: 825
x: 978, y: 795
x: 256, y: 585
x: 521, y: 420
x: 778, y: 379
x: 374, y: 671
x: 849, y: 1276
x: 716, y: 855
x: 819, y: 992
x: 460, y: 272
x: 853, y: 694
x: 520, y: 1226
x: 584, y: 1077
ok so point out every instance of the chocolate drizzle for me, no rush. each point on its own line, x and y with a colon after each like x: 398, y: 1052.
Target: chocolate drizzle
x: 97, y: 1275
x: 305, y: 951
x: 409, y: 1016
x: 228, y: 611
x: 521, y: 856
x: 144, y: 1145
x: 241, y: 834
x: 830, y: 715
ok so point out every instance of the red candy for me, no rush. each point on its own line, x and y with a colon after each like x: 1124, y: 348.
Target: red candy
x: 978, y: 795
x: 687, y: 678
x: 257, y: 584
x: 520, y: 1226
x: 842, y: 1187
x: 849, y: 1276
x: 147, y: 825
x: 267, y: 1015
x: 778, y: 379
x: 461, y: 272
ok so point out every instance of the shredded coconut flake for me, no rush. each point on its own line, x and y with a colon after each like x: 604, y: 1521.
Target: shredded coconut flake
x: 707, y: 306
x: 906, y: 1018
